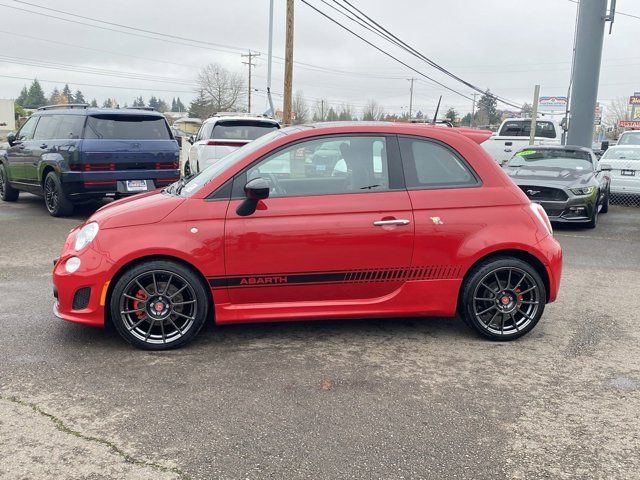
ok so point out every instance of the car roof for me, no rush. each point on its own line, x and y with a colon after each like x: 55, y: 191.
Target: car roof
x: 250, y: 118
x: 623, y: 147
x: 99, y: 111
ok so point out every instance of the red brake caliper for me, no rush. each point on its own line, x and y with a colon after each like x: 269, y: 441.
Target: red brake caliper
x: 142, y: 296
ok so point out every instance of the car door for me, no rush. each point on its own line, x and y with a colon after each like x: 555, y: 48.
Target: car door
x: 448, y: 208
x: 42, y: 142
x: 323, y: 235
x: 20, y: 153
x: 196, y: 152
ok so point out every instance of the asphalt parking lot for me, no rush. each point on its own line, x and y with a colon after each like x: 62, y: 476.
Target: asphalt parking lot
x: 343, y: 399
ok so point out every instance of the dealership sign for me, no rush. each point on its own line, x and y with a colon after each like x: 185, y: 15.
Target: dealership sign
x: 550, y: 104
x: 629, y: 123
x: 634, y: 100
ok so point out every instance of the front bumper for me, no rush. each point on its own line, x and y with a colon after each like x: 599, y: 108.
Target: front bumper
x: 92, y: 274
x: 576, y: 209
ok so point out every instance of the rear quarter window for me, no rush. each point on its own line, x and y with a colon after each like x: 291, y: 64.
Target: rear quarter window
x: 127, y: 127
x: 428, y: 164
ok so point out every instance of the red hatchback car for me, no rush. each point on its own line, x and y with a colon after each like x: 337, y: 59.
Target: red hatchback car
x: 348, y: 220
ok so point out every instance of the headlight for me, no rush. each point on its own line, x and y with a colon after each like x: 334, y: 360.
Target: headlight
x: 582, y: 191
x: 86, y: 235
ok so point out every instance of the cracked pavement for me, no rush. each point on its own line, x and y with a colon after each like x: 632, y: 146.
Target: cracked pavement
x: 402, y: 398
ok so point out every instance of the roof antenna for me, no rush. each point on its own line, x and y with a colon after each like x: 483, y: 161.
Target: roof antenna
x: 437, y: 109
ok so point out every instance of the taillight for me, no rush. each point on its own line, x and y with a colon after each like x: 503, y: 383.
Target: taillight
x: 93, y: 167
x: 166, y: 165
x: 539, y: 212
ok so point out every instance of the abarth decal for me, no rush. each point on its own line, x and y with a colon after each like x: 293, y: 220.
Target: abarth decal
x: 432, y: 272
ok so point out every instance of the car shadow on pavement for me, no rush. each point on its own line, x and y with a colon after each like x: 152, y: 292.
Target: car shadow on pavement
x: 277, y: 333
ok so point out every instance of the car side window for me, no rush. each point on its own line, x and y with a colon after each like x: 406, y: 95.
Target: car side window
x: 429, y: 164
x: 205, y: 132
x: 26, y: 132
x: 47, y: 126
x: 326, y: 166
x: 70, y: 126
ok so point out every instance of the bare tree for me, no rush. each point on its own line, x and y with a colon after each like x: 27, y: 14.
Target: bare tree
x: 221, y: 89
x: 320, y: 110
x: 616, y: 110
x: 373, y: 111
x: 300, y: 108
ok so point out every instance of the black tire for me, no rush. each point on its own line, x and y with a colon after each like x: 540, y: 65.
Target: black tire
x: 605, y: 202
x: 57, y: 203
x: 516, y: 281
x: 7, y: 192
x: 159, y: 283
x: 593, y: 222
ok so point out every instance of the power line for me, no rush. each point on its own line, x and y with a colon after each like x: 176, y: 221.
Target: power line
x: 411, y: 50
x: 381, y: 50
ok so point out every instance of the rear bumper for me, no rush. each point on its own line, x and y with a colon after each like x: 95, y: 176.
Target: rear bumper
x: 78, y: 185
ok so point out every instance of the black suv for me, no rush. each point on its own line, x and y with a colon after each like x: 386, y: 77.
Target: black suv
x: 72, y: 153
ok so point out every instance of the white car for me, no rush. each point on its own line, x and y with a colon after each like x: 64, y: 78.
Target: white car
x: 222, y: 134
x: 514, y: 133
x: 630, y: 137
x: 624, y: 161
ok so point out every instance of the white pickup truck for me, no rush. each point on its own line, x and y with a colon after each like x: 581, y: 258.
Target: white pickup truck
x: 514, y: 133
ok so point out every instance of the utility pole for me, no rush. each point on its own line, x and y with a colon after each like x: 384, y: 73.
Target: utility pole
x: 473, y: 110
x: 288, y: 66
x: 592, y: 16
x: 270, y: 59
x: 534, y: 114
x: 249, y: 56
x: 411, y: 98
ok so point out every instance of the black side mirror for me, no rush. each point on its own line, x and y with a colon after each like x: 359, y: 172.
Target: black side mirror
x: 191, y: 139
x: 604, y: 146
x: 255, y: 190
x: 11, y: 138
x: 605, y: 167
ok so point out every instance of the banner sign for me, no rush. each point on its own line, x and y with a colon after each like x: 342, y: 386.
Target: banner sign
x: 629, y: 123
x: 634, y: 100
x: 549, y: 104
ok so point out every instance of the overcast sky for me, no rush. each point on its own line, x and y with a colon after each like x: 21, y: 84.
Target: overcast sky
x: 505, y: 45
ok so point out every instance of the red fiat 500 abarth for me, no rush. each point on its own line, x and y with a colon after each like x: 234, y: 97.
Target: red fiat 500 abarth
x: 314, y: 222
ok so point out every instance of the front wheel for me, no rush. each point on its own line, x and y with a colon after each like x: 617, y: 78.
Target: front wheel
x: 502, y: 298
x: 593, y: 221
x: 7, y: 192
x: 159, y: 305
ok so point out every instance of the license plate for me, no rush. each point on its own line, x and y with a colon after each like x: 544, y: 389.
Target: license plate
x: 136, y: 185
x: 628, y: 173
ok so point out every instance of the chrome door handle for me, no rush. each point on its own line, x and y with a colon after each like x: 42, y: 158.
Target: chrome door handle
x: 382, y: 223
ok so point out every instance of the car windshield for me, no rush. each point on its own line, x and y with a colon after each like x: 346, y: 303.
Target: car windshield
x: 630, y: 138
x: 552, y: 159
x: 241, y: 129
x: 622, y: 154
x: 196, y: 182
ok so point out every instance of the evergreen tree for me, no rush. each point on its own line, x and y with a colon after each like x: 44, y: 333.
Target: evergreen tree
x: 153, y: 103
x: 138, y: 102
x: 94, y: 103
x: 22, y: 99
x: 108, y: 103
x: 78, y: 97
x: 201, y: 107
x: 179, y: 106
x: 162, y: 106
x: 35, y: 97
x: 173, y: 105
x: 487, y: 109
x: 54, y: 99
x: 66, y: 91
x: 451, y: 115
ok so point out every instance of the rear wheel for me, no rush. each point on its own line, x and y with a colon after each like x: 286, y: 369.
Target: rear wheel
x: 159, y: 305
x: 7, y: 192
x: 56, y: 201
x: 503, y: 298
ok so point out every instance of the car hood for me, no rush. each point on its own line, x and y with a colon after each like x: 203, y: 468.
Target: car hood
x: 551, y: 177
x: 142, y: 209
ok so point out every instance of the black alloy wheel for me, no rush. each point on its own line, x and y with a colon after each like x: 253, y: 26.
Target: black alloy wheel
x: 159, y: 305
x: 54, y: 198
x: 503, y: 298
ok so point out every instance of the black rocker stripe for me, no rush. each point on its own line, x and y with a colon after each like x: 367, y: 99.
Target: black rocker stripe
x: 431, y: 272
